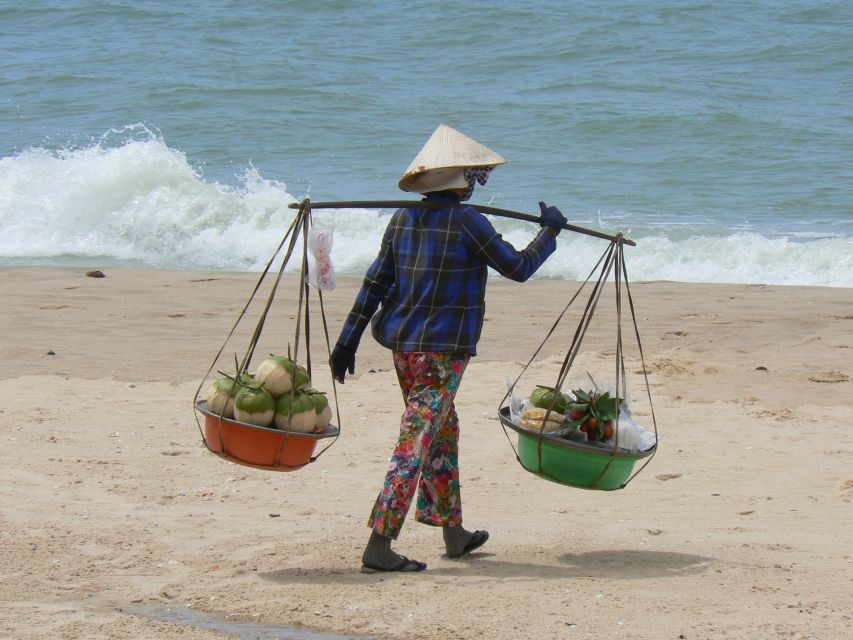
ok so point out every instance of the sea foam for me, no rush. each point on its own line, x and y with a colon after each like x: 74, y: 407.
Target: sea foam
x: 139, y: 202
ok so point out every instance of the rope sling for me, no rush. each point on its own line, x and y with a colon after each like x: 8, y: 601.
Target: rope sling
x: 567, y: 462
x: 258, y: 446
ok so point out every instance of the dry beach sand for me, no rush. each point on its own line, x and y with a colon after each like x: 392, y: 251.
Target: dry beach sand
x: 741, y: 526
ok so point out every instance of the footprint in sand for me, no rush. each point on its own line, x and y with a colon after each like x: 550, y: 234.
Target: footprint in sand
x: 829, y: 377
x: 667, y: 476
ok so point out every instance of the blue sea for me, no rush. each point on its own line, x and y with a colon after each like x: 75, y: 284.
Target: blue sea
x: 164, y: 135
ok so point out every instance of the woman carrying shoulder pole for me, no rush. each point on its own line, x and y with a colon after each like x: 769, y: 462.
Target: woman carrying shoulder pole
x: 424, y: 296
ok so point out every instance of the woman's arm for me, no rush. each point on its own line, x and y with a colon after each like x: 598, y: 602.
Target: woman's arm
x: 500, y: 255
x: 377, y: 281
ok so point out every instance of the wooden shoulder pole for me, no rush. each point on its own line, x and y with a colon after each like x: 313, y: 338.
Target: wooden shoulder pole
x: 434, y: 204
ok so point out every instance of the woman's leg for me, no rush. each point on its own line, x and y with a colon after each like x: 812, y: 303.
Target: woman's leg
x: 439, y: 499
x: 439, y: 496
x: 430, y: 382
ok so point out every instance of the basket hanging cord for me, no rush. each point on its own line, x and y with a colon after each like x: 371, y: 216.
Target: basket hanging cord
x: 586, y: 318
x: 620, y: 358
x: 334, y: 386
x: 621, y: 277
x: 612, y: 257
x: 547, y: 337
x: 245, y: 308
x: 618, y: 260
x: 301, y: 308
x: 645, y: 373
x: 326, y: 335
x: 307, y: 290
x: 580, y: 333
x: 253, y: 343
x: 293, y: 232
x: 302, y: 294
x: 303, y: 311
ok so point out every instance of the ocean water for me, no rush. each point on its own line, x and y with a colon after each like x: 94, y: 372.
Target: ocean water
x: 718, y: 136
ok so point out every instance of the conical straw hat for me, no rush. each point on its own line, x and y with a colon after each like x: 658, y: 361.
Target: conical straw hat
x: 447, y: 148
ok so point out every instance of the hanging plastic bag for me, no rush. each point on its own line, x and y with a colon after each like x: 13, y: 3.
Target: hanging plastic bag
x: 633, y: 437
x: 517, y: 406
x: 322, y: 275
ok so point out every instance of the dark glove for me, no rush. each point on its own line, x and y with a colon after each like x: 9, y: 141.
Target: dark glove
x: 552, y: 217
x: 342, y: 360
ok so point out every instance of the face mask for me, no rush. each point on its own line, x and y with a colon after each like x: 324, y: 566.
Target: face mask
x: 474, y: 175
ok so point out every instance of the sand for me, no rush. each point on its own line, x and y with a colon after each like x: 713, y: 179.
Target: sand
x: 741, y: 526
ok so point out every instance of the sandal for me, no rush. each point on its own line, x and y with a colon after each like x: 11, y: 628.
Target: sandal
x: 404, y: 565
x: 478, y: 539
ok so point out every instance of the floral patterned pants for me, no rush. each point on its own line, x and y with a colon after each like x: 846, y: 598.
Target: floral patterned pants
x: 426, y: 455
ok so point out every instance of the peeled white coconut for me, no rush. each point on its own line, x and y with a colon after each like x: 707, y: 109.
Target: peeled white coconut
x: 295, y: 412
x: 324, y: 411
x: 220, y: 397
x: 278, y: 375
x: 254, y: 406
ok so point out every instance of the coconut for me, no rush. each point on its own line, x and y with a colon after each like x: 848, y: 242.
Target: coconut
x: 543, y: 397
x: 321, y: 406
x: 301, y: 379
x: 254, y: 405
x: 247, y: 380
x: 220, y: 396
x: 295, y: 412
x: 279, y: 375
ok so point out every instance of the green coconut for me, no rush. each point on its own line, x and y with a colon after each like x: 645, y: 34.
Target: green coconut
x: 280, y: 374
x: 254, y: 405
x: 220, y: 396
x: 247, y: 380
x: 295, y: 412
x: 543, y: 396
x: 321, y: 406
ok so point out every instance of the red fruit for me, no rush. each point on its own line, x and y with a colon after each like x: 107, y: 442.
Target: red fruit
x: 608, y: 431
x: 577, y: 414
x: 592, y: 423
x: 583, y: 428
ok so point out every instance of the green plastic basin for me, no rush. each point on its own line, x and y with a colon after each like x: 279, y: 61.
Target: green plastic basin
x: 571, y: 463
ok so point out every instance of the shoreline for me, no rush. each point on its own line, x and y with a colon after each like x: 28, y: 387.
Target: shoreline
x: 110, y: 501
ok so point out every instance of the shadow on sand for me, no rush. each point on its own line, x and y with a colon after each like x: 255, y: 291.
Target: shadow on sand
x: 626, y: 564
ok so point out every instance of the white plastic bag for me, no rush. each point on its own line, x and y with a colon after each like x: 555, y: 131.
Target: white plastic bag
x: 322, y: 274
x: 631, y: 436
x: 517, y: 405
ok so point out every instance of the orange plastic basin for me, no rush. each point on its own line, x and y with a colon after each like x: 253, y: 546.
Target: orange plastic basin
x: 259, y: 447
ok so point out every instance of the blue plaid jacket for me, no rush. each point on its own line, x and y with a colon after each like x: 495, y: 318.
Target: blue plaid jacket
x: 430, y: 278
